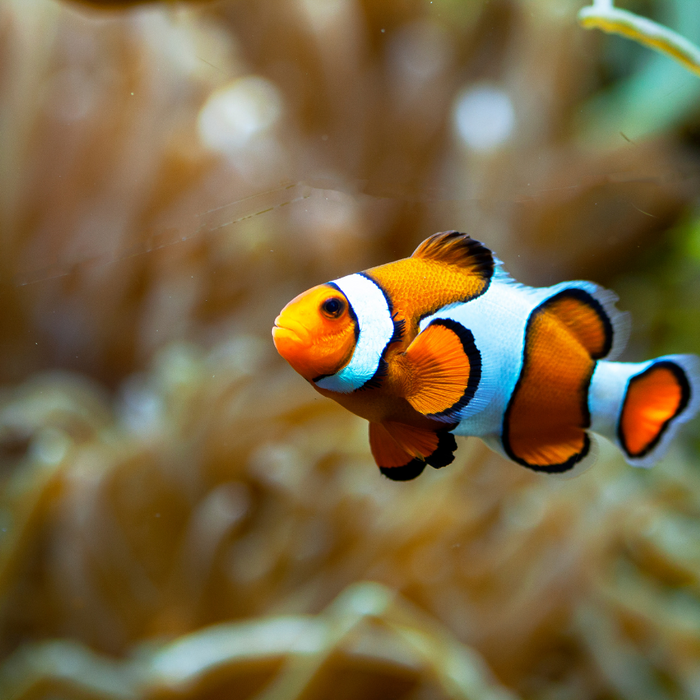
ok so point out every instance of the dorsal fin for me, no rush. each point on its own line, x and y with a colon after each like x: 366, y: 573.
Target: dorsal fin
x: 454, y: 248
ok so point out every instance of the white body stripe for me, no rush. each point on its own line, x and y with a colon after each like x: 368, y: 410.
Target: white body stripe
x: 608, y: 388
x: 497, y: 320
x: 376, y: 328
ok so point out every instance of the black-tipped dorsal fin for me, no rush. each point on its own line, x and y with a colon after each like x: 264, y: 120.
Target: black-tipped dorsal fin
x: 454, y: 248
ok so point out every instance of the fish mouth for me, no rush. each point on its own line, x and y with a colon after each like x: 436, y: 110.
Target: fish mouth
x: 286, y: 329
x: 280, y: 333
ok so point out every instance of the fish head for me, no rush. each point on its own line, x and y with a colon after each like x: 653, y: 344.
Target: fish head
x: 316, y: 332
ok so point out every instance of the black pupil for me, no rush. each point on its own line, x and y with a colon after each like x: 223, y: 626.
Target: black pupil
x: 333, y: 306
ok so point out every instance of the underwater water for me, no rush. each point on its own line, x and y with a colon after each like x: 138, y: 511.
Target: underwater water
x: 181, y: 515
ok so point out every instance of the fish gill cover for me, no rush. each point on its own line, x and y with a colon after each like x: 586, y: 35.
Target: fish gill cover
x: 181, y: 516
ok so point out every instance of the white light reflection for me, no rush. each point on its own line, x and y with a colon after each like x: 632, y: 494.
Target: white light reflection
x: 420, y: 50
x: 238, y: 113
x: 484, y: 117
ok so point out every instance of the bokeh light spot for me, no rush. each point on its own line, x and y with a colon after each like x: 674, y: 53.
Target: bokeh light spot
x: 484, y: 117
x: 239, y: 112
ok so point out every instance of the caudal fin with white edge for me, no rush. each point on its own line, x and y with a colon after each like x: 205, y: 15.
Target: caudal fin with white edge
x: 640, y: 406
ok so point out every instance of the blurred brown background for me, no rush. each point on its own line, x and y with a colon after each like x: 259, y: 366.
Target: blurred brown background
x: 181, y: 515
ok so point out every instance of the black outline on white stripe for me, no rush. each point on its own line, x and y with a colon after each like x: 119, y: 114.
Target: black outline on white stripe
x: 575, y: 458
x: 374, y: 380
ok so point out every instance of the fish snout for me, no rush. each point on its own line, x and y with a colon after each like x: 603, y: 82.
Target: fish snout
x: 289, y: 336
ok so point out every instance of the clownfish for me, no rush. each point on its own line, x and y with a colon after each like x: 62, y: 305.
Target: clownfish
x: 446, y: 343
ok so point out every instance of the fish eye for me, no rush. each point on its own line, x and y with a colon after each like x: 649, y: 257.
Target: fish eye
x: 333, y: 307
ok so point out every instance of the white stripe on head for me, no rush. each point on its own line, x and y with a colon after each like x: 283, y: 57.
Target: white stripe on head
x: 375, y: 326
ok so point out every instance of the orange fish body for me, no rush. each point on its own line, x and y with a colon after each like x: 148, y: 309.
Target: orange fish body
x: 445, y: 343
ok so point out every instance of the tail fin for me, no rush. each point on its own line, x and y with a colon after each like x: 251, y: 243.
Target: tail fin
x: 640, y: 406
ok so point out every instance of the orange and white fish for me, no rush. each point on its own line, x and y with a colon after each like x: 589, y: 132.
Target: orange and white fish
x: 446, y: 343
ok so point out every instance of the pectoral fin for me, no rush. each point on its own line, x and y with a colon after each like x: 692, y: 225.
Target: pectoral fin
x: 444, y: 369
